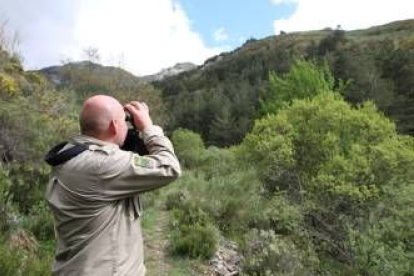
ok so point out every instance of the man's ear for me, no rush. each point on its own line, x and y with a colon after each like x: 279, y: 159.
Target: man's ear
x: 113, y: 128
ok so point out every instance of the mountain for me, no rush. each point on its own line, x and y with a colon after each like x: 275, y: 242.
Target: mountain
x: 69, y: 75
x: 60, y: 75
x: 171, y: 71
x: 88, y: 76
x: 220, y: 99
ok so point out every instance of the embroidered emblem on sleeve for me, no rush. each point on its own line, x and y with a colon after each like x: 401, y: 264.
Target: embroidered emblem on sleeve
x: 143, y: 162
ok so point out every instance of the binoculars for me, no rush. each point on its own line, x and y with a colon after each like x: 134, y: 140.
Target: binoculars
x: 133, y: 141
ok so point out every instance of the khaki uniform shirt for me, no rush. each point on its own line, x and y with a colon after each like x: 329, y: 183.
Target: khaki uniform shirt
x: 94, y: 200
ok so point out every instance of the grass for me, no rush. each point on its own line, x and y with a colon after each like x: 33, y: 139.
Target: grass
x: 149, y: 219
x: 155, y: 225
x: 186, y: 267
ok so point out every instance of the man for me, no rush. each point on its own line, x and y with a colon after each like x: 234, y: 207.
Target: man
x: 94, y: 195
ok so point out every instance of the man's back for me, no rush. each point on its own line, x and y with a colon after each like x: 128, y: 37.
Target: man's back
x: 94, y: 199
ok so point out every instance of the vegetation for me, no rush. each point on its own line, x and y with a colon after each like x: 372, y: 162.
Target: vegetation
x: 297, y: 146
x: 304, y: 80
x: 312, y: 185
x: 221, y: 100
x: 35, y: 114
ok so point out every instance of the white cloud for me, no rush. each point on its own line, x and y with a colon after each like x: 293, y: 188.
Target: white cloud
x: 350, y: 14
x: 149, y: 34
x: 220, y: 35
x: 44, y: 27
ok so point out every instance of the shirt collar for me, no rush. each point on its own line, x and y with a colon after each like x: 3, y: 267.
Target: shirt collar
x: 84, y: 139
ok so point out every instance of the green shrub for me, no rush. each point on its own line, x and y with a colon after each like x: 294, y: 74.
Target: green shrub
x: 8, y: 87
x: 15, y: 262
x: 40, y: 222
x: 188, y: 146
x: 31, y: 125
x: 36, y: 78
x: 384, y: 244
x: 335, y: 161
x: 375, y: 256
x: 149, y: 199
x: 195, y: 241
x: 176, y: 199
x: 266, y: 253
x: 189, y: 213
x: 192, y: 181
x: 328, y: 149
x: 38, y: 267
x: 216, y: 162
x: 280, y: 215
x: 4, y: 202
x: 10, y: 260
x: 233, y: 200
x: 193, y: 233
x: 304, y: 80
x: 28, y: 181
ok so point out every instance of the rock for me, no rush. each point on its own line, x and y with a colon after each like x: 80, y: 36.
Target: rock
x: 227, y: 260
x: 171, y: 71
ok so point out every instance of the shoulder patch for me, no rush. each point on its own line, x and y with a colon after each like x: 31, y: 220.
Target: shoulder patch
x: 141, y: 161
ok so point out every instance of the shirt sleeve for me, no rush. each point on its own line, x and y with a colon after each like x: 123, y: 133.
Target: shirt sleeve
x: 125, y: 174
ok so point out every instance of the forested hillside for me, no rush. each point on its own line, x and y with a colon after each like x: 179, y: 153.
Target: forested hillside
x: 281, y: 152
x: 220, y: 99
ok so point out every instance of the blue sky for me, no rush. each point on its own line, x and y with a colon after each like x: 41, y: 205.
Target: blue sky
x: 145, y: 36
x: 238, y: 20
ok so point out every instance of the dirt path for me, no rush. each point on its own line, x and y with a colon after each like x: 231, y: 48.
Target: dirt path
x: 157, y: 260
x: 155, y: 241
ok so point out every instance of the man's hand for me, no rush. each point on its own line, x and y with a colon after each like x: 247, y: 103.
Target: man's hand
x: 140, y: 113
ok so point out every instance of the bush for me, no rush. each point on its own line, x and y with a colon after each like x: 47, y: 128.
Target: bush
x: 28, y: 181
x: 188, y: 146
x: 30, y: 125
x: 325, y: 147
x: 149, y: 199
x: 176, y: 199
x: 38, y: 267
x: 375, y: 256
x: 334, y: 160
x: 193, y: 234
x: 266, y: 253
x: 190, y: 213
x: 40, y: 222
x: 195, y: 241
x: 233, y: 200
x: 10, y: 261
x: 4, y: 202
x: 8, y: 87
x: 15, y: 261
x: 304, y: 80
x: 280, y: 215
x: 216, y: 162
x: 384, y: 244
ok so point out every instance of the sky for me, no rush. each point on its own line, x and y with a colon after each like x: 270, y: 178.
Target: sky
x: 145, y: 36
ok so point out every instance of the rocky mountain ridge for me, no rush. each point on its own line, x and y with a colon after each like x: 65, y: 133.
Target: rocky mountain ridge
x: 171, y: 71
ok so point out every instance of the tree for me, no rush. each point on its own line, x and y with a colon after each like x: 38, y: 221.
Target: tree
x: 189, y: 147
x: 304, y: 80
x: 92, y: 55
x: 331, y: 42
x: 334, y: 159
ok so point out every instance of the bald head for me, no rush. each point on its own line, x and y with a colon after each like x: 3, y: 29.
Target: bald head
x: 97, y: 115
